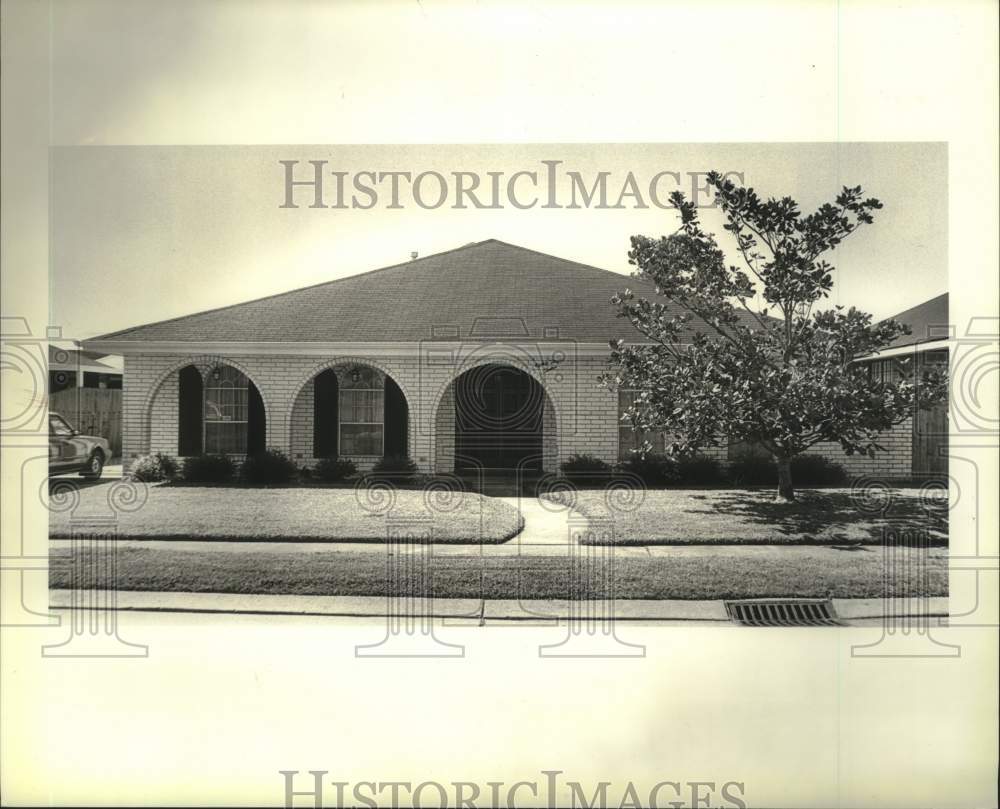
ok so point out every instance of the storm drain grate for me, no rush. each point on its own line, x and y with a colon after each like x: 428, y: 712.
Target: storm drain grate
x: 786, y: 612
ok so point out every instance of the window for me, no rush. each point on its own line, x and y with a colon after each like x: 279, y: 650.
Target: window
x: 59, y: 427
x: 225, y: 414
x: 630, y: 439
x: 362, y: 412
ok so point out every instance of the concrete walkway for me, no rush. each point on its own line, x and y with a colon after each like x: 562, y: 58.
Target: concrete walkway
x: 544, y: 524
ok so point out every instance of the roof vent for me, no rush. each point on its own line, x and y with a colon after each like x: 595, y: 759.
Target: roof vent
x: 413, y: 255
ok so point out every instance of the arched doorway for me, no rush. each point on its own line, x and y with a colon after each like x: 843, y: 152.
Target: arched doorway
x: 498, y: 420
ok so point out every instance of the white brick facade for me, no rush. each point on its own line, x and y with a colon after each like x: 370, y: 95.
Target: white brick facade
x: 895, y: 463
x: 579, y: 414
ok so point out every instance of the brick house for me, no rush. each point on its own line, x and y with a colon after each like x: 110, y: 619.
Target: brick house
x: 918, y: 447
x: 483, y: 356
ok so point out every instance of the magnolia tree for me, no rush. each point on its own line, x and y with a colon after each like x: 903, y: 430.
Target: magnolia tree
x: 736, y: 352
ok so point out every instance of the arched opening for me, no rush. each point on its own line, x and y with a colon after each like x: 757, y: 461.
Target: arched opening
x: 189, y: 400
x: 325, y: 418
x: 219, y: 413
x: 397, y: 420
x: 499, y: 415
x: 358, y: 412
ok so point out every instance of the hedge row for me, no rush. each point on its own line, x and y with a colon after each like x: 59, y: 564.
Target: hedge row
x: 270, y: 467
x: 656, y: 470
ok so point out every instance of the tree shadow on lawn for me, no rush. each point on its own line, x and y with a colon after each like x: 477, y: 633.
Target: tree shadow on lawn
x: 836, y: 516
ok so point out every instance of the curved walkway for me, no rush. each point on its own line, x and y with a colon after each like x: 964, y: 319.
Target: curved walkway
x: 544, y: 524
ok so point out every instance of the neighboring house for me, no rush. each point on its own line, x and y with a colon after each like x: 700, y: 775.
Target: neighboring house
x: 917, y: 448
x: 70, y: 367
x: 85, y: 388
x: 483, y: 356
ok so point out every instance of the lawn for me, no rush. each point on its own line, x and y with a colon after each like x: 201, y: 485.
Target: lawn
x: 293, y: 514
x: 750, y: 516
x: 669, y: 574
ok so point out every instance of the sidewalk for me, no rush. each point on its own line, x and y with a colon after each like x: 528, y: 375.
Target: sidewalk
x: 852, y: 611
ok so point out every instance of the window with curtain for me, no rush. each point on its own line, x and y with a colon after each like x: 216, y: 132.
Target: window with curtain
x: 226, y: 410
x: 630, y: 439
x: 362, y: 412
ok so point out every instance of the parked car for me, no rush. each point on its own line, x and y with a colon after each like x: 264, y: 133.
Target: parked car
x: 70, y: 451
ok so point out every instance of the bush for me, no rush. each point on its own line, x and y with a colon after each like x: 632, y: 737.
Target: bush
x: 697, y: 470
x: 333, y: 470
x: 270, y: 466
x: 152, y: 468
x: 816, y: 470
x: 807, y: 470
x: 584, y: 468
x: 396, y: 469
x: 653, y: 470
x: 753, y: 469
x: 209, y: 469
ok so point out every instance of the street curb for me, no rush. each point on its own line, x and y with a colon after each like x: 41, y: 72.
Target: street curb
x: 476, y: 610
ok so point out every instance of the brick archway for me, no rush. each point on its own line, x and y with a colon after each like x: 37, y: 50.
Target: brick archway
x: 299, y: 421
x: 202, y: 362
x: 445, y: 410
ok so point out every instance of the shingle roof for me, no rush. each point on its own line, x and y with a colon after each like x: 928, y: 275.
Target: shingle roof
x: 927, y: 321
x: 485, y: 290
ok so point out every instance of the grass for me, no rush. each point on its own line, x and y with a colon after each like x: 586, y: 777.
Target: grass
x: 750, y: 516
x: 292, y: 514
x: 803, y: 572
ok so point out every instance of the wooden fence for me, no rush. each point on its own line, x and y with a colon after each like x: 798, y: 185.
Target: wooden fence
x: 93, y: 411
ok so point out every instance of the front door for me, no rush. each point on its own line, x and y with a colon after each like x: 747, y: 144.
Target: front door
x: 498, y: 420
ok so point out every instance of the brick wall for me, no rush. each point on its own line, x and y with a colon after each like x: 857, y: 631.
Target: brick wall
x: 895, y: 463
x: 579, y: 415
x: 444, y: 432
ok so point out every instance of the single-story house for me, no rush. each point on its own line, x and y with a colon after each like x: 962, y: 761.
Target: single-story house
x: 918, y: 447
x: 71, y: 367
x: 483, y: 356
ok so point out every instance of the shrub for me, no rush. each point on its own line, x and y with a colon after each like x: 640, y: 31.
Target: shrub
x: 396, y: 469
x: 807, y: 470
x: 152, y: 468
x: 584, y: 468
x: 653, y: 470
x: 817, y: 470
x: 333, y: 470
x: 270, y: 466
x: 697, y: 470
x: 209, y: 469
x: 753, y: 469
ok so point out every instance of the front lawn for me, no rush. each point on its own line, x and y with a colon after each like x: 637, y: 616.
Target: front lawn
x: 308, y: 514
x: 674, y: 573
x: 750, y: 516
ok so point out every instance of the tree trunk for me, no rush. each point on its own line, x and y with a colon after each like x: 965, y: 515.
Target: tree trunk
x: 785, y: 493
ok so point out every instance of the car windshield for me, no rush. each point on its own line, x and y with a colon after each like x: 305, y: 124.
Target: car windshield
x: 59, y: 427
